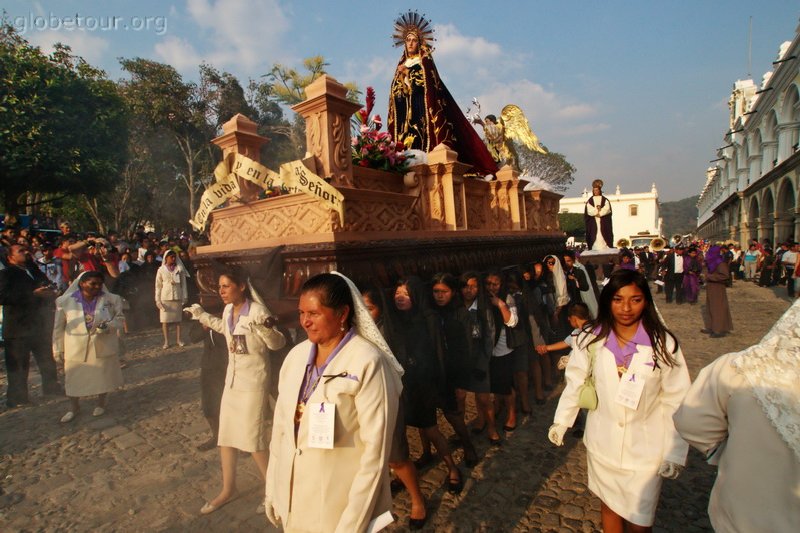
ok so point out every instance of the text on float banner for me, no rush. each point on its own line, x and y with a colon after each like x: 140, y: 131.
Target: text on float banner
x: 294, y: 176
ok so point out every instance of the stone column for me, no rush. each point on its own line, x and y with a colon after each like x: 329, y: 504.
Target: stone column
x: 754, y: 164
x: 785, y: 140
x: 760, y: 229
x: 509, y: 178
x: 327, y: 113
x: 443, y: 163
x: 239, y: 136
x: 797, y: 223
x: 784, y: 229
x: 769, y: 149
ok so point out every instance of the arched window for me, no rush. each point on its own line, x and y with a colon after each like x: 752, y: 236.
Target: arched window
x: 633, y: 209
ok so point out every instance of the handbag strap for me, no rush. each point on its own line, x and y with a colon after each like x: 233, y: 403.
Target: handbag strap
x: 592, y: 351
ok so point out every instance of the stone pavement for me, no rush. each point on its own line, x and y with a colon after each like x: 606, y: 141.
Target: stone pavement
x: 136, y: 467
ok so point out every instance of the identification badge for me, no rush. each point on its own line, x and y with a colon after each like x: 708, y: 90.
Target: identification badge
x: 631, y: 383
x: 321, y: 423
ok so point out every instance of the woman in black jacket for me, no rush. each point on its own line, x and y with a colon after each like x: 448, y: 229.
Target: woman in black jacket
x: 458, y: 357
x: 413, y: 334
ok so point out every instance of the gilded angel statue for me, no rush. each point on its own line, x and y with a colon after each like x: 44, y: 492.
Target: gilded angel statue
x: 501, y: 135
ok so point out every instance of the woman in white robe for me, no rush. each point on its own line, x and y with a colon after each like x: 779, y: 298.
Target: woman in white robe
x: 333, y: 477
x: 248, y: 328
x: 640, y: 377
x: 743, y: 414
x: 87, y: 320
x: 171, y: 294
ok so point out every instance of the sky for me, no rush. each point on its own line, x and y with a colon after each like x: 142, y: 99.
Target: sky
x: 632, y: 92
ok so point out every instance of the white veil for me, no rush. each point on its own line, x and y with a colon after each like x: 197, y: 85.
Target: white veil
x: 257, y: 297
x: 772, y: 368
x: 178, y: 262
x: 559, y: 282
x: 75, y: 287
x: 366, y: 327
x: 588, y: 295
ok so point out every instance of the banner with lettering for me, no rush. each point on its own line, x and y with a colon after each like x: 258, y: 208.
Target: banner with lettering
x: 294, y: 176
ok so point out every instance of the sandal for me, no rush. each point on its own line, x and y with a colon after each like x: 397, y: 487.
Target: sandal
x: 209, y: 507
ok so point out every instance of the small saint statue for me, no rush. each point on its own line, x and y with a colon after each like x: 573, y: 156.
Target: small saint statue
x: 597, y: 217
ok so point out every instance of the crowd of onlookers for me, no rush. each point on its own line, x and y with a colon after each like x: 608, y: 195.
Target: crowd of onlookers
x: 758, y: 263
x: 129, y: 263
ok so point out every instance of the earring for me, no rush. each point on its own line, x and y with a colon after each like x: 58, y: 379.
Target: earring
x: 341, y: 328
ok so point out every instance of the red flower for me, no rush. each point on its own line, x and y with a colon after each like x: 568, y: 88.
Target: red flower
x: 370, y: 100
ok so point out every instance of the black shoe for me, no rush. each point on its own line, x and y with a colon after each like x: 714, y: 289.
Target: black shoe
x: 717, y: 335
x: 470, y: 457
x: 509, y: 429
x: 495, y: 442
x: 396, y: 486
x: 706, y: 331
x: 19, y: 403
x: 424, y: 460
x: 478, y: 430
x: 417, y: 523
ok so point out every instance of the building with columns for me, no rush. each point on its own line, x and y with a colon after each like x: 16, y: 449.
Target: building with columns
x: 634, y: 215
x: 751, y: 191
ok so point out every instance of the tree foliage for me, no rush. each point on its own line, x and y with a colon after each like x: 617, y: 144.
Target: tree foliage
x: 119, y: 154
x: 63, y: 127
x: 157, y: 94
x: 287, y: 86
x: 550, y: 167
x: 573, y: 224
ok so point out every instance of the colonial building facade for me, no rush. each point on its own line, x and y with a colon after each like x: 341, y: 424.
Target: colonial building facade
x: 635, y: 215
x: 751, y: 192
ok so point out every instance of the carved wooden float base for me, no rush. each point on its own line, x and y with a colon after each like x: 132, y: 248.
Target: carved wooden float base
x: 278, y: 271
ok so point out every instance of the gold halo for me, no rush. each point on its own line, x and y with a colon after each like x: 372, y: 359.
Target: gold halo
x: 413, y: 22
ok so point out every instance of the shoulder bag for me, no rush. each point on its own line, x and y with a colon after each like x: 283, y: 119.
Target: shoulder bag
x: 587, y: 395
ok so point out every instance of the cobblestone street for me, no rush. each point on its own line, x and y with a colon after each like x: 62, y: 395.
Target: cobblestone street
x: 136, y: 467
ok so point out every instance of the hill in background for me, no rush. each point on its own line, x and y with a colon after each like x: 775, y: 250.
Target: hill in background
x: 679, y: 216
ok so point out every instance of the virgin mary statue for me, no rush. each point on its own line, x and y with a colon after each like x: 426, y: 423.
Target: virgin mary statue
x: 422, y: 113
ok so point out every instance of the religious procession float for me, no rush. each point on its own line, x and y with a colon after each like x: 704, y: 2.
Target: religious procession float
x: 422, y: 197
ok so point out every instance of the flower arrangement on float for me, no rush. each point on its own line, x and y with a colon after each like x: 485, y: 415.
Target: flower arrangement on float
x: 373, y: 148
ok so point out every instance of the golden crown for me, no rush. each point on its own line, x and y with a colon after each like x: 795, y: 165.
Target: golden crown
x: 413, y: 22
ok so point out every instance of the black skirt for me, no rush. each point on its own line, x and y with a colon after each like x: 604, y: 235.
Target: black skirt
x: 501, y: 374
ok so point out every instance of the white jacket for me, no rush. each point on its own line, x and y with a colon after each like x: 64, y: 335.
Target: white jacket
x: 638, y: 439
x: 74, y: 340
x: 171, y: 285
x: 343, y: 489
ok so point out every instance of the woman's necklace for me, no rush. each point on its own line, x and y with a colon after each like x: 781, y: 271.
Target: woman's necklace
x: 89, y: 307
x: 313, y: 374
x: 624, y: 363
x: 234, y: 320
